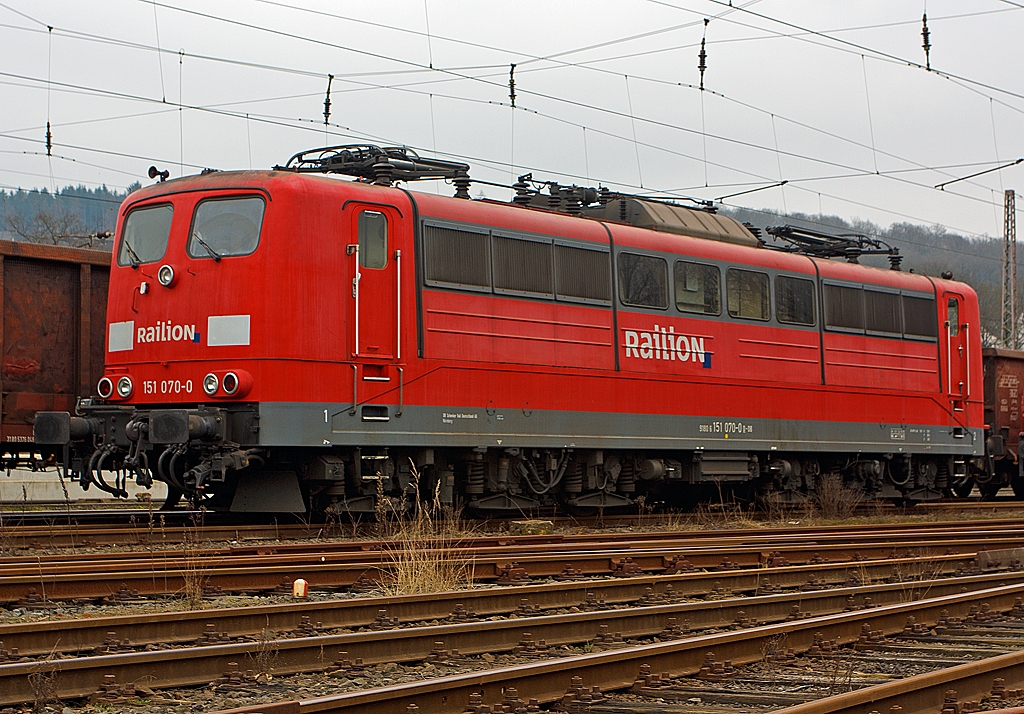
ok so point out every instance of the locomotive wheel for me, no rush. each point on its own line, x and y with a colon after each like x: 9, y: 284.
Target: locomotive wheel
x: 988, y: 490
x: 173, y: 498
x: 1017, y: 484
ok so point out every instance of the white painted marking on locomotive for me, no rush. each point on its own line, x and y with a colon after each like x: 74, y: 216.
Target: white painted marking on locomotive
x: 119, y: 337
x: 662, y: 343
x: 227, y: 330
x: 166, y: 331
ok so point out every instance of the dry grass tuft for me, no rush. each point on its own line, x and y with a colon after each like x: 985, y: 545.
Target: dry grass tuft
x: 833, y: 500
x: 194, y: 571
x: 265, y: 655
x: 43, y: 681
x: 425, y: 553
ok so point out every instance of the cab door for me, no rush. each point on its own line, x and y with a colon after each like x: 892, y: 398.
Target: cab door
x: 373, y: 289
x: 958, y: 358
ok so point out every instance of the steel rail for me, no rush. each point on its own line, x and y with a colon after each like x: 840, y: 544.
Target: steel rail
x: 86, y: 634
x: 512, y: 546
x: 141, y: 533
x: 550, y: 681
x: 199, y: 665
x: 926, y: 693
x: 165, y: 575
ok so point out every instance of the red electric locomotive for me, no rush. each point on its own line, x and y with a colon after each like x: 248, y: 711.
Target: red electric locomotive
x: 281, y: 341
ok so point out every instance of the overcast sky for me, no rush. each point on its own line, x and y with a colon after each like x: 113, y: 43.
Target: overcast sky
x: 820, y: 94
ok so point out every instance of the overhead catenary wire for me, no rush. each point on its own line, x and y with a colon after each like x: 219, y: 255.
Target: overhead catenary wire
x: 632, y: 123
x: 281, y: 121
x: 864, y: 48
x: 739, y: 103
x: 634, y: 120
x: 159, y: 55
x: 403, y: 61
x: 871, y: 124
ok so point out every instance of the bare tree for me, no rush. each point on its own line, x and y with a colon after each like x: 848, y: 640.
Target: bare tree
x: 54, y: 227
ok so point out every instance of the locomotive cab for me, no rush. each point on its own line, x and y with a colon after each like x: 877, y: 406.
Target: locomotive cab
x: 220, y: 301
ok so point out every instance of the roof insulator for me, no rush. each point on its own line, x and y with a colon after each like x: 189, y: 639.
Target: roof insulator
x: 702, y: 64
x: 554, y: 197
x: 523, y: 191
x: 462, y: 182
x: 383, y: 172
x: 512, y: 84
x: 327, y: 99
x: 927, y: 45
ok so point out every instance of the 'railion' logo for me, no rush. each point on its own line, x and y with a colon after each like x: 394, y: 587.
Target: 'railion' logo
x: 664, y: 343
x: 166, y: 331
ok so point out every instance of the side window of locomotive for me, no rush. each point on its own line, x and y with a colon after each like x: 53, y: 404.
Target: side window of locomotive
x: 522, y: 267
x: 747, y: 294
x: 373, y: 239
x: 144, y: 236
x: 953, y: 315
x: 844, y: 307
x: 643, y: 280
x: 698, y: 288
x: 882, y: 312
x: 582, y: 274
x: 919, y: 317
x: 794, y: 300
x: 224, y: 227
x: 457, y: 258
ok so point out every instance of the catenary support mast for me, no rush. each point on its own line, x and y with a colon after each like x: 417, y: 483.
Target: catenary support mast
x: 1009, y: 312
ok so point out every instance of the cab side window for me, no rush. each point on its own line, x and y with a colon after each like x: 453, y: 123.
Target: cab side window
x: 373, y: 239
x: 953, y: 311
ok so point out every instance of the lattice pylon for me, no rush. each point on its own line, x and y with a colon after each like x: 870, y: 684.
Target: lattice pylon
x: 1008, y: 336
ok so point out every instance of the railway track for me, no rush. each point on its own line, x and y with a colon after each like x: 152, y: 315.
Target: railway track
x: 34, y: 581
x: 582, y: 680
x: 142, y: 533
x: 91, y: 527
x: 703, y: 588
x: 545, y: 621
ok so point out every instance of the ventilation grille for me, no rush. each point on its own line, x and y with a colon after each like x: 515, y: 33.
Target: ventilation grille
x: 455, y: 257
x: 582, y: 274
x: 844, y: 307
x: 919, y: 317
x: 882, y: 312
x: 522, y: 266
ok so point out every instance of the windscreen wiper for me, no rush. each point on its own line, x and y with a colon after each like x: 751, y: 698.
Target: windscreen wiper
x: 133, y: 257
x: 211, y: 251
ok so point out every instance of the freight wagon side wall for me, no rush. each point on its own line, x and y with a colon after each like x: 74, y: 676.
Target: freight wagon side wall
x: 52, y: 331
x: 1004, y: 379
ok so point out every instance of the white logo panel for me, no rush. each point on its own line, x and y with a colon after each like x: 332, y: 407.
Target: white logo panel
x: 227, y: 330
x: 119, y: 336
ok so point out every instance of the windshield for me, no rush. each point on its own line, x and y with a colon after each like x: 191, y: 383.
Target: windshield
x: 145, y: 233
x: 223, y: 227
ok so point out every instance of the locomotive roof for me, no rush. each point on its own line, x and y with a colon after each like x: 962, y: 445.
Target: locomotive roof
x: 533, y: 219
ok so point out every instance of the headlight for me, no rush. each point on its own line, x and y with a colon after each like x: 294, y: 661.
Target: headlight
x: 230, y: 383
x: 105, y: 387
x: 210, y: 384
x: 124, y: 387
x: 165, y: 276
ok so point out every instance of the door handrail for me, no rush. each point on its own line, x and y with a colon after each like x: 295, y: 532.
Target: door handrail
x: 353, y: 249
